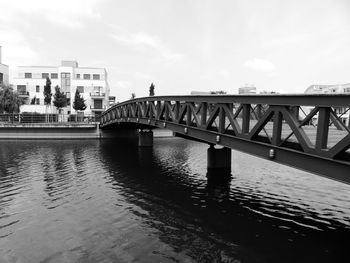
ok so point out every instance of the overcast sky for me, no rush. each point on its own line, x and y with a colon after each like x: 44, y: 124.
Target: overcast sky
x: 182, y: 46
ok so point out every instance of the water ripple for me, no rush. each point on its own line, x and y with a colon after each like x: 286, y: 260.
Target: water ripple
x: 109, y: 201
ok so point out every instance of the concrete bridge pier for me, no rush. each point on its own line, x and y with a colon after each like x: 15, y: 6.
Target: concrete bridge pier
x: 218, y: 163
x: 145, y: 138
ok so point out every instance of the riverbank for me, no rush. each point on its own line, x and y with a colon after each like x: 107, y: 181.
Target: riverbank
x: 39, y: 131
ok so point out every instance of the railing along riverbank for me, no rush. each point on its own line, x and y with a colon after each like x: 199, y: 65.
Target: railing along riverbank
x: 21, y: 126
x: 15, y: 118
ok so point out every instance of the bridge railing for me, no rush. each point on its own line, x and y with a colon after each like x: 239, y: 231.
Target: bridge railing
x: 313, y: 125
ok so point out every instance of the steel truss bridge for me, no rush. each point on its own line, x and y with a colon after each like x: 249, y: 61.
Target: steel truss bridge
x: 309, y: 132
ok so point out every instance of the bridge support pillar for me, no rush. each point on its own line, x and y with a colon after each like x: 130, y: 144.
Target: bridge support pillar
x: 145, y: 138
x: 219, y: 162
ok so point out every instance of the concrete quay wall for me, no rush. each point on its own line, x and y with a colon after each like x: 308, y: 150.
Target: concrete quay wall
x: 40, y: 131
x: 49, y: 131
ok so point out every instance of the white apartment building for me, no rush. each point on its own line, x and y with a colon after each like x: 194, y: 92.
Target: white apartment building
x: 91, y: 82
x: 4, y: 72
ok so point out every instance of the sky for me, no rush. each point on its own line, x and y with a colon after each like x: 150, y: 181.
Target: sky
x: 183, y: 46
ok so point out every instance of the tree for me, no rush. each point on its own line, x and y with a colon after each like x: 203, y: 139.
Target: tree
x: 32, y: 102
x: 133, y: 96
x: 10, y: 102
x: 151, y: 90
x: 79, y: 102
x: 60, y: 98
x: 47, y: 92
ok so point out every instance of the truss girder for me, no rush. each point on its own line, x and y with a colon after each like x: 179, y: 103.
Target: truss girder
x: 267, y: 121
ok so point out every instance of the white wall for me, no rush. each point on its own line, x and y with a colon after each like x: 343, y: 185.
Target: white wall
x: 4, y: 69
x: 38, y: 108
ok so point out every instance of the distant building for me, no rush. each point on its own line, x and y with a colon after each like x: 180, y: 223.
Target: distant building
x: 4, y: 72
x: 341, y: 112
x: 328, y: 89
x: 247, y: 89
x: 90, y: 82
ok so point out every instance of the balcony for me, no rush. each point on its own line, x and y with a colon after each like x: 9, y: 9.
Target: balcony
x: 97, y: 108
x: 23, y: 94
x: 97, y: 95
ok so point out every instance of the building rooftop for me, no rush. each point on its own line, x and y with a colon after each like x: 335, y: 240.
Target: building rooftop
x: 69, y: 63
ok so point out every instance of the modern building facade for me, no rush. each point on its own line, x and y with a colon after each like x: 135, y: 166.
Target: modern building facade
x: 4, y: 72
x: 92, y: 84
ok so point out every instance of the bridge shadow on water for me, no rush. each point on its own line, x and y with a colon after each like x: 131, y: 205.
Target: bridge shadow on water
x: 204, y: 219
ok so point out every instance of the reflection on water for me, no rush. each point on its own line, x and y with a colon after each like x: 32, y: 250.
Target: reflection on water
x: 110, y: 201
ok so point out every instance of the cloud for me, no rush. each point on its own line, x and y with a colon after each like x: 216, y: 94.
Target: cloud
x: 224, y: 73
x: 61, y: 20
x: 126, y: 73
x: 16, y: 50
x: 65, y: 13
x: 286, y: 40
x: 142, y: 40
x: 261, y: 65
x: 141, y: 75
x: 123, y: 84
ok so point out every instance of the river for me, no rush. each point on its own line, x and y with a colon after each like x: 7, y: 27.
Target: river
x: 110, y: 201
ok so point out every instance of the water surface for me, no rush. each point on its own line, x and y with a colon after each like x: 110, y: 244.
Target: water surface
x: 110, y: 201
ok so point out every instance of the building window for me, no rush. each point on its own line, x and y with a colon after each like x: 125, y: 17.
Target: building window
x: 37, y: 101
x: 44, y: 75
x: 65, y: 81
x: 78, y: 76
x: 346, y: 90
x: 1, y: 78
x: 28, y: 75
x: 95, y: 76
x: 80, y: 89
x: 86, y: 76
x: 65, y: 75
x: 97, y: 90
x: 97, y: 104
x: 54, y: 75
x: 21, y: 89
x: 37, y: 88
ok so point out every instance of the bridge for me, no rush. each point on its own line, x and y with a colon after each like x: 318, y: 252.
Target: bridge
x: 308, y: 132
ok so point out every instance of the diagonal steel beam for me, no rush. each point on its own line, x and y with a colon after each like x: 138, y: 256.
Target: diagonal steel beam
x: 299, y: 133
